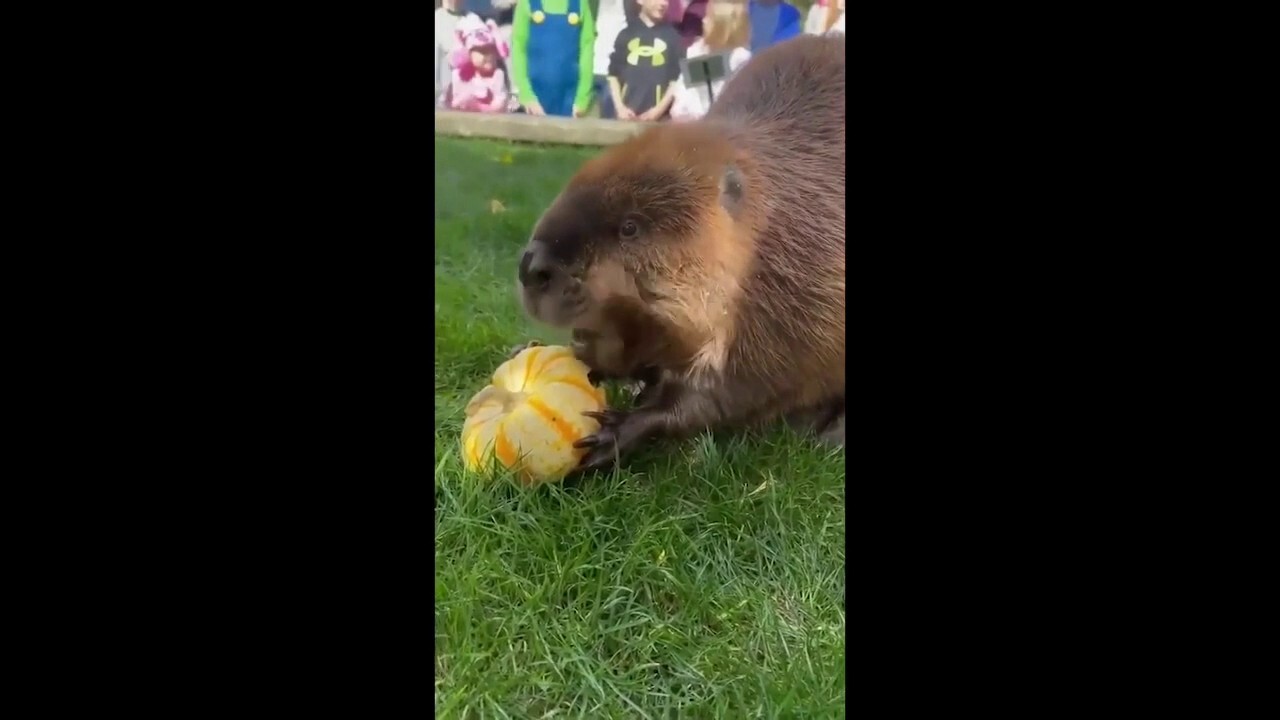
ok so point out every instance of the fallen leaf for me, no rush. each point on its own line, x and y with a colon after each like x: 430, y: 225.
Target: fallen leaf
x: 506, y: 159
x: 496, y: 206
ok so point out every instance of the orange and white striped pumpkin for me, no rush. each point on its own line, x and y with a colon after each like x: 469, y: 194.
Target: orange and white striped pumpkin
x: 531, y: 414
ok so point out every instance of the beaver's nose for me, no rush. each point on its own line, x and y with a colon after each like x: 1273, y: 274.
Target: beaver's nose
x: 535, y: 269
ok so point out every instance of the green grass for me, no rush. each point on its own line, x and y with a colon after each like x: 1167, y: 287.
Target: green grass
x: 704, y: 579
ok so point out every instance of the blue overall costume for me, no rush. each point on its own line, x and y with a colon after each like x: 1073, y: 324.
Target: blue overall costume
x: 553, y: 54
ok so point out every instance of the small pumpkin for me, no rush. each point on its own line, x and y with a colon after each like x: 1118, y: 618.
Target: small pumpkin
x: 530, y: 415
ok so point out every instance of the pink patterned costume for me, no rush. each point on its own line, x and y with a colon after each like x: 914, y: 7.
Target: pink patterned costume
x: 478, y: 88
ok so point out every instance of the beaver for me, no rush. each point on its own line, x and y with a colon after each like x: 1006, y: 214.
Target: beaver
x: 722, y: 242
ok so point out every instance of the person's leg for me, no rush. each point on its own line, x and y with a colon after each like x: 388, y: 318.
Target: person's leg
x: 604, y: 97
x: 560, y: 98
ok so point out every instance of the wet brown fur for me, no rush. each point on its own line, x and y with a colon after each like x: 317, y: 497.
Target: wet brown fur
x: 736, y: 296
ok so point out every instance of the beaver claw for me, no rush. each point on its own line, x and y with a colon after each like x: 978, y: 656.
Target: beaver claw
x: 608, y: 444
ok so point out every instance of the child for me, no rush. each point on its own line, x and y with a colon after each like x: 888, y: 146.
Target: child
x: 815, y: 23
x: 835, y: 17
x: 447, y: 18
x: 478, y: 83
x: 551, y: 42
x: 645, y: 66
x: 725, y: 29
x: 610, y: 19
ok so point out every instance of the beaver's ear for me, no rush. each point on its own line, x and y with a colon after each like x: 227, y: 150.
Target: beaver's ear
x: 731, y: 190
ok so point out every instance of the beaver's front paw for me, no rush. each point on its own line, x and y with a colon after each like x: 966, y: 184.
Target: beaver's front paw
x: 620, y: 432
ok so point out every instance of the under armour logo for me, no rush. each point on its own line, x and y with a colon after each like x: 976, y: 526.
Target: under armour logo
x: 640, y: 51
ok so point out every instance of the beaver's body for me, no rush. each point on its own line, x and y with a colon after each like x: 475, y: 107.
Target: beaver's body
x: 723, y: 241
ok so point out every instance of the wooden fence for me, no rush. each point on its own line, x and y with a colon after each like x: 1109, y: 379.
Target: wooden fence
x: 537, y: 129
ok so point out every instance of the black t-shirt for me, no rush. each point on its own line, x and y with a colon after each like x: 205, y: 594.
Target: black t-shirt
x: 645, y: 60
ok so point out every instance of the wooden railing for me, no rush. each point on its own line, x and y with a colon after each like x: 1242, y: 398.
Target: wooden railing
x: 538, y: 129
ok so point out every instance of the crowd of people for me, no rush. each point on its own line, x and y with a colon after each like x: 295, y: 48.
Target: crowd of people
x: 618, y: 59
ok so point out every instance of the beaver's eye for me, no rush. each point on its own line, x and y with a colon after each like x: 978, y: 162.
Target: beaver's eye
x: 629, y: 230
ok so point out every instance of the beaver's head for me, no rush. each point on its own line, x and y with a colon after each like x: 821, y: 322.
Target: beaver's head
x: 645, y: 220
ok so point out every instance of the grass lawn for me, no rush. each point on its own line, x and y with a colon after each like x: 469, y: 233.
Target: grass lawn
x: 705, y: 579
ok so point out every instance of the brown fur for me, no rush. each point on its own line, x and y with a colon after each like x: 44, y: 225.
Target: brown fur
x: 735, y: 289
x: 624, y: 342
